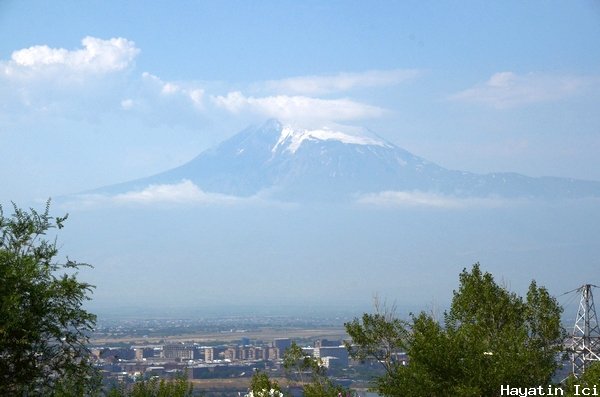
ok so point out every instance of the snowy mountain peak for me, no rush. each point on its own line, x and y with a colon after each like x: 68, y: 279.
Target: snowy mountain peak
x: 291, y: 137
x: 338, y: 162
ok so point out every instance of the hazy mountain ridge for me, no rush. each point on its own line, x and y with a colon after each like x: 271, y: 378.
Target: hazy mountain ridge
x: 292, y: 163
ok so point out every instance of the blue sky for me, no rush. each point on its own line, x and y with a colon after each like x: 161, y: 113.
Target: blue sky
x: 480, y: 86
x: 94, y: 93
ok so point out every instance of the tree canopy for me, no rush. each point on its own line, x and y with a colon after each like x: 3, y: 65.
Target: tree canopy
x: 489, y: 337
x: 154, y: 387
x: 310, y: 372
x: 43, y: 326
x: 262, y: 386
x: 586, y: 383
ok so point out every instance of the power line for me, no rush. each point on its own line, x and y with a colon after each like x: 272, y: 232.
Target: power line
x: 585, y: 339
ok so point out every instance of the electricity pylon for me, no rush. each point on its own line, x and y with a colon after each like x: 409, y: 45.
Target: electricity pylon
x: 585, y: 340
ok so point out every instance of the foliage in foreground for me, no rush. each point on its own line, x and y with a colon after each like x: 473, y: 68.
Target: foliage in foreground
x: 586, y: 383
x: 303, y: 370
x: 43, y: 327
x: 490, y: 337
x: 311, y: 374
x: 262, y: 386
x: 178, y: 387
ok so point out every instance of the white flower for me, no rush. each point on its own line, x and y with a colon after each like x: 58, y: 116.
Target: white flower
x: 265, y: 393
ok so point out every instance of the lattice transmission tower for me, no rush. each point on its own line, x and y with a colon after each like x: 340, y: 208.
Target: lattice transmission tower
x: 585, y: 340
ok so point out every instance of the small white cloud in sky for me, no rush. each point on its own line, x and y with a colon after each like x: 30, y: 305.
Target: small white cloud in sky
x: 127, y: 104
x: 428, y: 200
x: 286, y: 108
x: 197, y: 97
x: 96, y: 56
x: 318, y: 85
x: 508, y: 89
x: 184, y: 192
x: 502, y: 79
x: 168, y: 89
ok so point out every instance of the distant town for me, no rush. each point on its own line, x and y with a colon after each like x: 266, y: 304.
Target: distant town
x: 220, y: 355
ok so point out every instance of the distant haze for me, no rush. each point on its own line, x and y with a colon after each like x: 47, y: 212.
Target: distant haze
x: 168, y: 245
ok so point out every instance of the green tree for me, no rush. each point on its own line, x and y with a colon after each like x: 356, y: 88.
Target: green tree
x: 155, y: 387
x: 179, y: 387
x: 586, y: 383
x: 299, y: 366
x: 261, y: 385
x: 490, y: 337
x: 43, y: 327
x: 380, y: 336
x: 310, y: 373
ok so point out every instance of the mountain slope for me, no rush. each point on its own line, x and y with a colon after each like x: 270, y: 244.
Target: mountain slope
x: 292, y: 163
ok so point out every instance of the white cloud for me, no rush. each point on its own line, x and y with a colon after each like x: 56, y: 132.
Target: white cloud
x: 181, y: 194
x: 294, y: 108
x: 81, y: 83
x: 88, y: 82
x: 422, y: 199
x: 127, y: 104
x: 184, y: 192
x: 317, y: 85
x: 197, y: 97
x: 168, y: 89
x: 97, y: 56
x: 155, y: 81
x: 507, y: 89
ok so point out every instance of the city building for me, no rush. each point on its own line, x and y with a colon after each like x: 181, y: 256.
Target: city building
x: 281, y: 344
x: 339, y: 352
x: 178, y: 351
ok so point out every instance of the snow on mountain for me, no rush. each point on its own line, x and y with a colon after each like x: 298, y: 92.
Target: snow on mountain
x: 291, y: 138
x: 338, y: 163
